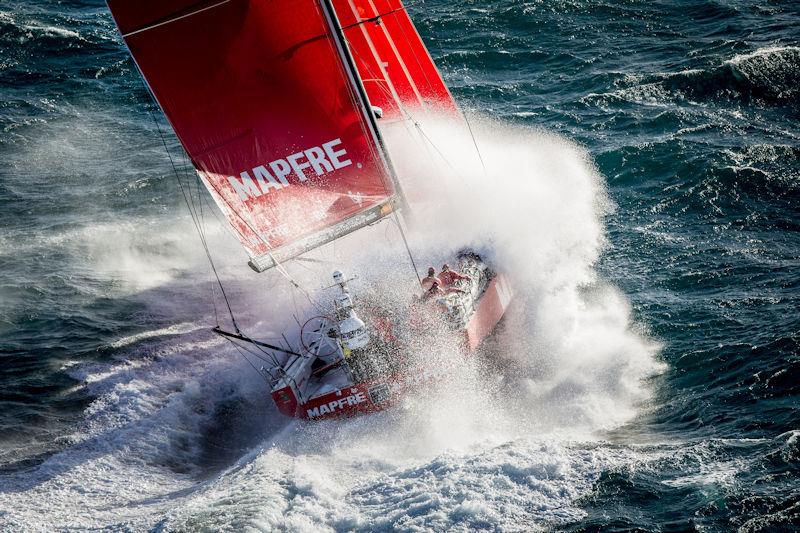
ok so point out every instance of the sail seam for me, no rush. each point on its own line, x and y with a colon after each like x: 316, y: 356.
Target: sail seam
x: 401, y: 61
x: 378, y: 60
x: 163, y: 23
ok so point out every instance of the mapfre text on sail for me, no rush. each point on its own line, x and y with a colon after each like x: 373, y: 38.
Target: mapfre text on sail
x: 276, y: 174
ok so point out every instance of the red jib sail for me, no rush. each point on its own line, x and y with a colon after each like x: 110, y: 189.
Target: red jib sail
x: 260, y: 96
x: 398, y: 73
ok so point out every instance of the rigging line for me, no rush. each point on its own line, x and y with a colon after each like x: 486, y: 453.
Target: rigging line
x: 463, y: 115
x: 214, y: 301
x: 278, y: 265
x: 384, y: 77
x: 202, y: 226
x: 475, y: 143
x: 360, y: 99
x: 398, y: 101
x: 173, y: 19
x: 410, y: 117
x: 197, y: 209
x: 272, y: 359
x: 378, y: 17
x: 408, y: 42
x: 406, y: 112
x: 282, y: 270
x: 257, y: 356
x: 444, y: 158
x: 213, y: 208
x: 408, y: 249
x: 285, y: 273
x: 202, y: 198
x: 191, y: 213
x: 248, y: 360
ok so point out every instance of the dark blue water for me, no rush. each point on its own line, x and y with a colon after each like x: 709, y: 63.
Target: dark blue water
x: 118, y: 409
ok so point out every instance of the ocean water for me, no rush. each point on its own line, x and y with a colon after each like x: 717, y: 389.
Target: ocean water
x: 642, y: 191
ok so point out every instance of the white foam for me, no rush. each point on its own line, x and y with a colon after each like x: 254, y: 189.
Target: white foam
x: 175, y: 329
x: 761, y: 52
x: 53, y: 30
x: 482, y: 450
x: 133, y: 452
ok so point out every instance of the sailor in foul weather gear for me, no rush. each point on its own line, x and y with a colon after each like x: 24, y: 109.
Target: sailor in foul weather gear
x: 434, y: 291
x: 449, y: 277
x: 430, y: 279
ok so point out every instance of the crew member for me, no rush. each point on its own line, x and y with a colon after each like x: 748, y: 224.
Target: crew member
x: 434, y: 291
x: 448, y: 277
x: 430, y: 279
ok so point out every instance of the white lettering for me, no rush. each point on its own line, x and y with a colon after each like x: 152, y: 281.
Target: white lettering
x: 333, y: 406
x: 246, y: 187
x: 316, y: 156
x: 298, y: 167
x: 324, y: 159
x: 281, y: 169
x: 333, y: 156
x: 265, y: 179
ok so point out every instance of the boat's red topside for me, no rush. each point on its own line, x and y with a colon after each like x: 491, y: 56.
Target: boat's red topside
x: 381, y: 393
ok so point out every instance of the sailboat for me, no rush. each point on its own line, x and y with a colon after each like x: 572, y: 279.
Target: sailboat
x: 288, y: 111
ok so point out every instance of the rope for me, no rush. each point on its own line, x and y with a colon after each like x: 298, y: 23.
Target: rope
x: 188, y: 206
x: 258, y: 371
x: 475, y: 143
x: 409, y: 117
x: 463, y: 115
x: 408, y: 249
x: 195, y: 220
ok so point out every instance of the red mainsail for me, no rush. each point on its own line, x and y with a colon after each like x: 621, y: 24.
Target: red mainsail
x: 398, y: 73
x: 260, y: 96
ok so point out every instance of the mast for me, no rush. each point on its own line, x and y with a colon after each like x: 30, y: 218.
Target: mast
x: 347, y: 58
x: 344, y: 50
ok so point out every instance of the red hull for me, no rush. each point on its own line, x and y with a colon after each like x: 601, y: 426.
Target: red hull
x: 382, y: 393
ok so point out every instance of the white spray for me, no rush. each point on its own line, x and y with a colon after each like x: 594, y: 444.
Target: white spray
x: 487, y: 447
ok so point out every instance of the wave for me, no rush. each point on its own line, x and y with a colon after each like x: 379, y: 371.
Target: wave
x: 768, y: 75
x: 176, y: 329
x: 155, y: 425
x: 179, y: 402
x: 18, y: 30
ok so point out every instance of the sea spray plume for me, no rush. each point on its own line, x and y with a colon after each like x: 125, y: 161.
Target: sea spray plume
x: 537, y: 210
x: 576, y: 361
x: 539, y: 216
